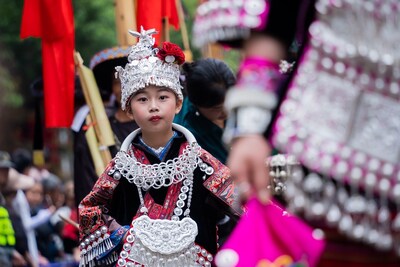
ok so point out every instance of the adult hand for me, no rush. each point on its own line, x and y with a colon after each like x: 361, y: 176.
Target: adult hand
x: 43, y: 260
x: 247, y: 161
x: 18, y: 259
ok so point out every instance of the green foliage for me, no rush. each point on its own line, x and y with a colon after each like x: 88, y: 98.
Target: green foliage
x: 9, y: 96
x: 20, y: 61
x: 232, y: 58
x: 94, y: 27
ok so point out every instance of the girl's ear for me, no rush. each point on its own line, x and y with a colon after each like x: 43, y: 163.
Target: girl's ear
x: 129, y: 113
x: 178, y: 106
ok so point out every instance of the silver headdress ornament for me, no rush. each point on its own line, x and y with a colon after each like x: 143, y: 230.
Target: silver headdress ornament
x: 148, y: 65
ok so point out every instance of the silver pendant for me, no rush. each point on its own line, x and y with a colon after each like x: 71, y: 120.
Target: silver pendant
x: 165, y: 236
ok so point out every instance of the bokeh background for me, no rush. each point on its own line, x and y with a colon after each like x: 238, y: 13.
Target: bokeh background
x: 21, y: 70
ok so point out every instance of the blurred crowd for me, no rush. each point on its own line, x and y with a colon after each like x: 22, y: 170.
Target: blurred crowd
x: 38, y: 216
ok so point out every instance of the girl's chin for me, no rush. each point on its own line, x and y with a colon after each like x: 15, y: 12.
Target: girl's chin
x: 156, y: 128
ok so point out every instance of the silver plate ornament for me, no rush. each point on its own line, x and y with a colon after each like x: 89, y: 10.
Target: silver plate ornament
x: 165, y: 236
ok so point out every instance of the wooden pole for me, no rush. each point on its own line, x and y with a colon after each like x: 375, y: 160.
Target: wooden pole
x: 97, y: 157
x: 99, y: 119
x: 184, y: 31
x: 166, y: 35
x: 213, y: 51
x: 125, y: 20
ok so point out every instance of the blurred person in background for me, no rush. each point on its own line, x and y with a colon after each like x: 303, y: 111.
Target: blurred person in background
x: 334, y: 114
x: 39, y: 214
x: 206, y: 82
x: 49, y: 239
x: 15, y: 185
x: 103, y: 65
x: 22, y: 158
x: 70, y: 231
x: 8, y: 254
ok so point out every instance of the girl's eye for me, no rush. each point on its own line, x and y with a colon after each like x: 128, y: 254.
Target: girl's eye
x: 141, y: 99
x: 163, y: 97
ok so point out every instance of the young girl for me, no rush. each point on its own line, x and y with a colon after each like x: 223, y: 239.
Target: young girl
x: 159, y: 200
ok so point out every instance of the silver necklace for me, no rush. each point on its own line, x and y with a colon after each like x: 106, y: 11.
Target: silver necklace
x: 164, y: 174
x: 158, y: 175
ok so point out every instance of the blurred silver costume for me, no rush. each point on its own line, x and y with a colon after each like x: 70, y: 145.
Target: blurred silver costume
x: 340, y: 117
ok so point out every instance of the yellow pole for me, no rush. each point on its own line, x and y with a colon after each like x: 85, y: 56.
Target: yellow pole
x: 98, y: 159
x: 99, y: 119
x: 166, y: 35
x: 125, y: 20
x: 213, y: 51
x: 184, y: 32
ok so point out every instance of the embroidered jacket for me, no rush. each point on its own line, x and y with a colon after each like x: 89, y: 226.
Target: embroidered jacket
x: 112, y: 204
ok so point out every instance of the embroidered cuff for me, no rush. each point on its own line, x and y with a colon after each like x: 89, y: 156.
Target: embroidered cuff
x: 259, y: 79
x: 246, y: 121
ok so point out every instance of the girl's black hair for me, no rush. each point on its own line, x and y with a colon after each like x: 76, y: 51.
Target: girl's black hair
x: 207, y: 81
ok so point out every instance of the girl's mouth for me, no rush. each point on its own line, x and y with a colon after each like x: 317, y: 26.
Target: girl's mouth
x: 155, y: 118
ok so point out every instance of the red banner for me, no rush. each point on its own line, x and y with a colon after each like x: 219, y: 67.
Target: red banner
x: 171, y: 12
x: 150, y: 14
x: 53, y: 21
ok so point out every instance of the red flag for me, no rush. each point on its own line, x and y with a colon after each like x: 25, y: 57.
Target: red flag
x: 53, y: 21
x: 150, y: 14
x: 171, y: 12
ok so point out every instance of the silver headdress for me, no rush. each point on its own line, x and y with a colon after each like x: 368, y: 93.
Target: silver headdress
x: 148, y: 65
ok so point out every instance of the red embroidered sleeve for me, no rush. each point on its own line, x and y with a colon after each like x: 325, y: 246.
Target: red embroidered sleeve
x: 91, y: 208
x: 220, y: 182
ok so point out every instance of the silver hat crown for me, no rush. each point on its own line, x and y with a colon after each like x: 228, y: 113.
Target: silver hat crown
x: 144, y: 68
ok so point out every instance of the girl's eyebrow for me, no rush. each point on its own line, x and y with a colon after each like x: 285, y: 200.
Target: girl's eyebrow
x: 163, y: 89
x: 141, y: 92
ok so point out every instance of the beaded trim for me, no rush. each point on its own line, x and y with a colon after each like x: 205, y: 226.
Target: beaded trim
x: 224, y: 20
x: 94, y: 245
x: 109, y: 54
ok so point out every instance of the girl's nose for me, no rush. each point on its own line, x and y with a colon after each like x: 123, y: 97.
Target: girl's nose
x: 153, y: 105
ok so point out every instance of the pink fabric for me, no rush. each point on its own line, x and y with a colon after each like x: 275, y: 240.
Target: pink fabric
x: 267, y: 236
x: 260, y: 73
x: 257, y: 62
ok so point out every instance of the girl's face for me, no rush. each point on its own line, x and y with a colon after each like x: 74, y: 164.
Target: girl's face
x: 217, y: 114
x: 154, y: 108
